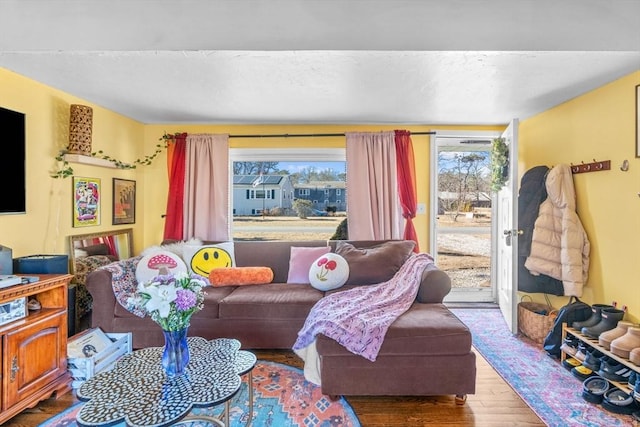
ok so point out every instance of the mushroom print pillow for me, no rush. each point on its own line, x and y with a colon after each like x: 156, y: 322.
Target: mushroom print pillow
x: 159, y: 263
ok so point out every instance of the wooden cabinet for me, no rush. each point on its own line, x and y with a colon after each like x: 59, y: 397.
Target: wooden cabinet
x: 34, y: 348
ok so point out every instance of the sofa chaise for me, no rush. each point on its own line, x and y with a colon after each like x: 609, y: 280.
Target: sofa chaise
x: 426, y: 351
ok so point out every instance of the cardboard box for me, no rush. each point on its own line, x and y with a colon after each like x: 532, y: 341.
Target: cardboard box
x: 83, y: 368
x: 42, y: 264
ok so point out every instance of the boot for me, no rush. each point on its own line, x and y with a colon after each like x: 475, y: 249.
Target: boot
x: 622, y: 346
x: 609, y: 318
x: 634, y: 357
x: 606, y: 337
x: 595, y: 316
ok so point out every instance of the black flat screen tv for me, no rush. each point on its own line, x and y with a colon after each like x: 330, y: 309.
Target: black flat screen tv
x: 12, y: 171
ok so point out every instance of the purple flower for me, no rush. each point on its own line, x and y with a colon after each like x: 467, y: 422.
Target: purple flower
x: 185, y: 299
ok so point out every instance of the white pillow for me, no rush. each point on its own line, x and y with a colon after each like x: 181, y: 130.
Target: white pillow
x: 328, y: 272
x: 177, y: 247
x: 161, y: 262
x: 201, y: 259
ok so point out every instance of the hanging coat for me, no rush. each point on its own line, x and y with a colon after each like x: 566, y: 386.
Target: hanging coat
x: 531, y: 194
x: 559, y: 244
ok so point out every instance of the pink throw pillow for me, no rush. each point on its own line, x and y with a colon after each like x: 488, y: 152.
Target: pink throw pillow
x: 300, y: 261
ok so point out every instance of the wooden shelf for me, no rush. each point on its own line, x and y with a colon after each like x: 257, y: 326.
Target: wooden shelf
x: 595, y: 343
x: 89, y: 160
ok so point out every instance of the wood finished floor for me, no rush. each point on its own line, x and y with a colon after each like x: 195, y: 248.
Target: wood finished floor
x: 495, y: 404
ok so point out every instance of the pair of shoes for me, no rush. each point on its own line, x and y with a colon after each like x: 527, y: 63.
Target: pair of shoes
x: 582, y: 351
x: 614, y: 370
x: 619, y: 402
x: 570, y: 345
x: 594, y: 388
x: 571, y: 362
x: 623, y: 345
x: 636, y: 389
x: 33, y: 304
x: 609, y: 318
x: 606, y: 337
x: 593, y: 359
x: 634, y: 356
x: 593, y: 319
x: 582, y: 372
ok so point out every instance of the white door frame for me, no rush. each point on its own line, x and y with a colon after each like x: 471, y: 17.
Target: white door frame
x: 470, y: 296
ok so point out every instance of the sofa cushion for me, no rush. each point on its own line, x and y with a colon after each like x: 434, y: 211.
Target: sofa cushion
x: 202, y: 259
x: 374, y: 264
x: 300, y: 262
x: 271, y: 301
x: 240, y: 276
x: 424, y: 329
x: 155, y: 263
x: 328, y: 272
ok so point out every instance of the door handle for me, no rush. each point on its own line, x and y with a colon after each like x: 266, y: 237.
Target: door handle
x: 509, y: 234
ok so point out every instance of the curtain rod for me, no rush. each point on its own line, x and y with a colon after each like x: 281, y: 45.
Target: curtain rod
x: 307, y: 135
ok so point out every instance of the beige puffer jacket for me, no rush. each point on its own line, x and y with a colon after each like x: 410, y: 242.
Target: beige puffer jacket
x: 559, y: 245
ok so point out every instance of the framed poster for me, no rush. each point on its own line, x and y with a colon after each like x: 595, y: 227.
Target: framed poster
x: 124, y: 201
x: 86, y: 201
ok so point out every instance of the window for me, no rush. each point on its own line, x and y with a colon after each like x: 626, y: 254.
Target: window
x: 274, y: 202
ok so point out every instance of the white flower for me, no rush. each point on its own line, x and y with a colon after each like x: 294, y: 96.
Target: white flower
x: 160, y: 298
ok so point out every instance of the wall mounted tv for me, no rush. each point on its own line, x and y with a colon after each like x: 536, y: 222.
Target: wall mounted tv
x: 12, y: 173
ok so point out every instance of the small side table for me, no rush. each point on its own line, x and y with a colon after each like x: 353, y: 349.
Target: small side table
x: 138, y: 391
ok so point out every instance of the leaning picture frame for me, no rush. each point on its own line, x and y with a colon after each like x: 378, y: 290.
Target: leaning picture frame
x: 124, y: 201
x: 638, y: 121
x: 86, y: 201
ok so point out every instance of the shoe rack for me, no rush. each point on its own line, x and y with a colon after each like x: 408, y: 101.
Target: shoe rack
x: 596, y: 344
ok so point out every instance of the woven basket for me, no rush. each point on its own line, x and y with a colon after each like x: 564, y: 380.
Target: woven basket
x: 532, y: 323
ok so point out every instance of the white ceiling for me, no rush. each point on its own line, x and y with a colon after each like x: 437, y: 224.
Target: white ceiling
x: 322, y: 61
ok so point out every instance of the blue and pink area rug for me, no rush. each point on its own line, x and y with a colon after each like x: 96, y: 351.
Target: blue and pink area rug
x: 549, y: 389
x: 282, y: 398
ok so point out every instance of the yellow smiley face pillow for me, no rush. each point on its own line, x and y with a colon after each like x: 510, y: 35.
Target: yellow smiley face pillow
x: 202, y: 259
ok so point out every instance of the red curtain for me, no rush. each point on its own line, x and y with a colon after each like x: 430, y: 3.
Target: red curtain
x: 405, y: 163
x: 174, y: 220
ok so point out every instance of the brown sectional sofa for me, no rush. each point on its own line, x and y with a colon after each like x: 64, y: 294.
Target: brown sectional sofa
x: 427, y: 350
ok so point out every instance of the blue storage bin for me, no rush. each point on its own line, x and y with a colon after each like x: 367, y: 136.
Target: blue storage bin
x: 42, y: 264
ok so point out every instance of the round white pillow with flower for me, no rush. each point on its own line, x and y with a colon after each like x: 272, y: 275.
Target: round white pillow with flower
x: 329, y: 271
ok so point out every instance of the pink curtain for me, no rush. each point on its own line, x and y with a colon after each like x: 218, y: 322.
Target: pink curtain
x: 405, y: 162
x: 206, y: 198
x: 372, y: 188
x: 174, y: 220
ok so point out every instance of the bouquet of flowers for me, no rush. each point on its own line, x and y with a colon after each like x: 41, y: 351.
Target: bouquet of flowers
x: 171, y: 300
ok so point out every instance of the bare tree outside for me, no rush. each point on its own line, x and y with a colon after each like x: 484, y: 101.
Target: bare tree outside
x: 463, y: 177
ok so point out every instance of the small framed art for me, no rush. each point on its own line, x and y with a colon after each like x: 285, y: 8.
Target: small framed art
x: 86, y: 201
x: 124, y: 201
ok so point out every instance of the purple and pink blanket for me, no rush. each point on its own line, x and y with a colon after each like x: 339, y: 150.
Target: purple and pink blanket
x: 359, y: 318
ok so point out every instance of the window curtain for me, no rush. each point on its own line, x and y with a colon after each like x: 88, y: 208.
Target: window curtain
x: 405, y: 162
x: 206, y: 187
x: 372, y: 187
x: 174, y: 218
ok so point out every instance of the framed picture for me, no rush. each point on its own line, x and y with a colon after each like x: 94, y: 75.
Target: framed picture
x: 124, y: 201
x: 638, y: 121
x: 86, y: 201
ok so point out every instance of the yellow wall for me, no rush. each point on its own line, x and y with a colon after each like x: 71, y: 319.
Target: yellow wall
x: 599, y: 125
x: 48, y: 222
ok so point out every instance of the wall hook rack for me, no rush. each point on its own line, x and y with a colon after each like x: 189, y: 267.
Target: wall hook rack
x: 595, y: 166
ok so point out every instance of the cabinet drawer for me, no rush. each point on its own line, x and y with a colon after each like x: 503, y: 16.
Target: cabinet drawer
x: 33, y: 356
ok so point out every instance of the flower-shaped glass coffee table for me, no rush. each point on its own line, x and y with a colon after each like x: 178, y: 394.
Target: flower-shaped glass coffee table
x: 138, y: 392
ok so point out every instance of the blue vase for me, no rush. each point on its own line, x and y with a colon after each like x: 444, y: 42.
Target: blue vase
x: 175, y: 356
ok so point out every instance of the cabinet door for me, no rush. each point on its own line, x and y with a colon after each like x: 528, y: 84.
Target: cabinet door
x: 34, y: 356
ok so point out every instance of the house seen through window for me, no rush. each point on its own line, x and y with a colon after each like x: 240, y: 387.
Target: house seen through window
x: 288, y: 200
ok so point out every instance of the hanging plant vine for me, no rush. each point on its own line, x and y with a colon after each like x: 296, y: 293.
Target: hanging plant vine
x: 499, y: 164
x: 65, y: 170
